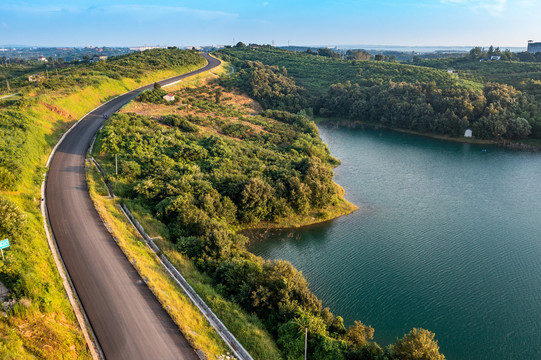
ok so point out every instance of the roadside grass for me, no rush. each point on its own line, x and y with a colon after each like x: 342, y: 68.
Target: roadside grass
x: 41, y: 324
x: 203, y: 77
x: 187, y: 317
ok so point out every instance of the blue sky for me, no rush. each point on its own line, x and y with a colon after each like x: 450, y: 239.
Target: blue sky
x: 301, y: 22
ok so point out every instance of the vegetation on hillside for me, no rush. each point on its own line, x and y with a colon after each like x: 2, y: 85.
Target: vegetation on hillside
x: 524, y: 76
x: 317, y: 73
x: 496, y: 99
x: 211, y: 167
x: 38, y: 321
x: 72, y: 77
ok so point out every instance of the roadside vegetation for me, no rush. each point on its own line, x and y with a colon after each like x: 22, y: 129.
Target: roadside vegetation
x: 187, y: 316
x: 37, y: 320
x: 218, y: 162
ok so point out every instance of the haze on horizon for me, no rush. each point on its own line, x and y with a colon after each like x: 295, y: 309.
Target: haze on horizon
x: 504, y: 23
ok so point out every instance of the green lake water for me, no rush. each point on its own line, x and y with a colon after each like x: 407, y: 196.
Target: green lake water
x: 447, y: 238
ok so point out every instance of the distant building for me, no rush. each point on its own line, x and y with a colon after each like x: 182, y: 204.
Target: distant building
x: 42, y: 58
x: 97, y: 58
x: 468, y: 133
x: 143, y: 48
x: 495, y: 57
x: 35, y: 77
x: 169, y: 97
x: 534, y: 47
x: 449, y: 71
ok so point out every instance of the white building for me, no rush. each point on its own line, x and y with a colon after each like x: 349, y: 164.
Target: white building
x: 468, y: 133
x: 42, y: 58
x: 169, y: 97
x: 143, y: 48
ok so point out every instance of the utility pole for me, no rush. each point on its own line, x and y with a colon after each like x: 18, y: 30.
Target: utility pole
x: 116, y: 164
x: 305, y: 343
x: 7, y: 82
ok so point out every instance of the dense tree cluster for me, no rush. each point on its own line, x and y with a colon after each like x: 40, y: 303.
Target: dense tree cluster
x: 498, y: 112
x: 358, y: 55
x: 270, y: 85
x: 154, y: 96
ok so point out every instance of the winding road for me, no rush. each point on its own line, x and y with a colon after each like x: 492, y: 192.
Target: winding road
x: 127, y: 319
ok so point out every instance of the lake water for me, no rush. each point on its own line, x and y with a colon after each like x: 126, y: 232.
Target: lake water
x: 447, y: 238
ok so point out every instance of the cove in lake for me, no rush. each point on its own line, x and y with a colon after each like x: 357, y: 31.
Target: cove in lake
x: 447, y: 238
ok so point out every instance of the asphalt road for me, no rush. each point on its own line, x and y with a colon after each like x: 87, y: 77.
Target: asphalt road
x: 128, y: 321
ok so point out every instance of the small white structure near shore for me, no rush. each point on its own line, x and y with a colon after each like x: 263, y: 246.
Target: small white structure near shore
x: 468, y: 133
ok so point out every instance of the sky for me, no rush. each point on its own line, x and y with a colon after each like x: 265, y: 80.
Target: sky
x: 504, y: 23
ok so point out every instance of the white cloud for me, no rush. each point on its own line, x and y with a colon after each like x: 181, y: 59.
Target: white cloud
x: 493, y: 7
x: 121, y: 10
x: 160, y: 10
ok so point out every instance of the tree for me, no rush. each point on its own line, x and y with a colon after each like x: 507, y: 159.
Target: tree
x: 477, y: 53
x: 157, y: 86
x: 518, y: 128
x: 327, y: 52
x: 418, y: 344
x: 218, y: 95
x: 255, y: 200
x: 359, y: 333
x: 240, y: 44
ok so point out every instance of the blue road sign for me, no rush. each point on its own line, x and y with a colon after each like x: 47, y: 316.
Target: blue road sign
x: 4, y: 243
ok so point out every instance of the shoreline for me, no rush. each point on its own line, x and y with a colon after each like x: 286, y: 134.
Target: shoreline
x: 357, y: 124
x: 343, y: 208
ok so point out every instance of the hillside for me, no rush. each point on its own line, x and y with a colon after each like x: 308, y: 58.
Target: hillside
x: 38, y: 321
x: 496, y: 99
x: 318, y: 73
